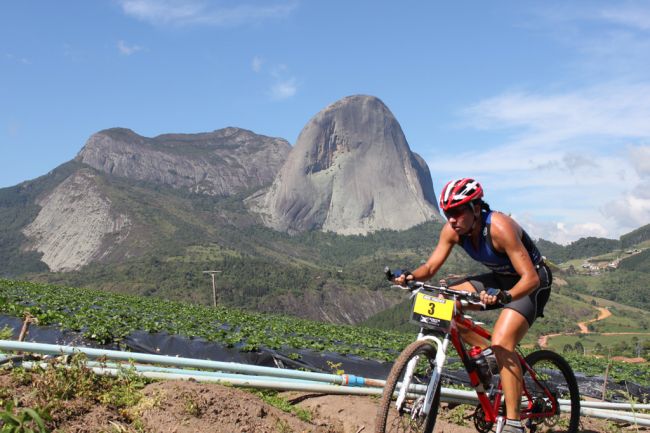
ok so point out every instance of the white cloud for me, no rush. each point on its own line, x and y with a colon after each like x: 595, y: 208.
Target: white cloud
x: 283, y: 84
x: 613, y: 109
x: 631, y: 208
x: 256, y: 64
x: 17, y: 59
x: 127, y: 49
x: 559, y: 232
x: 630, y: 211
x: 196, y: 12
x: 284, y: 89
x: 572, y: 159
x: 640, y: 157
x: 631, y: 16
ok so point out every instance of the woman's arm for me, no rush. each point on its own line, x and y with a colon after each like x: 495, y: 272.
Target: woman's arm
x: 448, y: 238
x: 506, y: 237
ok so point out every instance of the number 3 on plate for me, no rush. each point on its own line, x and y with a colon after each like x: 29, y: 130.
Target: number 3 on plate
x: 432, y: 307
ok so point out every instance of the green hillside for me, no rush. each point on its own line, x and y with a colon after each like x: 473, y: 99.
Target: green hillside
x: 582, y: 248
x: 625, y: 286
x: 636, y: 237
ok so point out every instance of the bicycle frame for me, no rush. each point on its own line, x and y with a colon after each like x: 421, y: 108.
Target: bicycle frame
x: 490, y: 407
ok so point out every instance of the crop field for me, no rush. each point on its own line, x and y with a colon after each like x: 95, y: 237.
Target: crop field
x: 108, y: 318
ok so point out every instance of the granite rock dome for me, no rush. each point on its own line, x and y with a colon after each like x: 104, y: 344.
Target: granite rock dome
x: 350, y: 172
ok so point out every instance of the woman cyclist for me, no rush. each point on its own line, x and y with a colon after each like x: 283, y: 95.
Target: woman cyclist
x: 519, y: 277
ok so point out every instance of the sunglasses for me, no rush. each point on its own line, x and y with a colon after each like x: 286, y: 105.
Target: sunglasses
x: 454, y: 213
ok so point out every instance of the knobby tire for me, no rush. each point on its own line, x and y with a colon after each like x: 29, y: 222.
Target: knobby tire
x: 386, y: 421
x: 560, y: 364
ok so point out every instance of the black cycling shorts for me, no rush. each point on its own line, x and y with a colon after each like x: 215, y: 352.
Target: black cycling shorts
x: 531, y: 306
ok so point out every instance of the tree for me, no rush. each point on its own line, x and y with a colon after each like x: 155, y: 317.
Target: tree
x: 598, y: 349
x: 567, y: 348
x: 579, y: 348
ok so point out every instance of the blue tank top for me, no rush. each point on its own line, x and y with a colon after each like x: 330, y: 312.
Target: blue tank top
x: 493, y: 259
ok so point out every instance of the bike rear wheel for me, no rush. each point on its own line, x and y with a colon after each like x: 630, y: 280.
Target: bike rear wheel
x: 555, y: 373
x: 408, y: 418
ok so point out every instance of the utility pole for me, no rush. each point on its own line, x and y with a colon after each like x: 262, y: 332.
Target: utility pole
x: 214, y: 286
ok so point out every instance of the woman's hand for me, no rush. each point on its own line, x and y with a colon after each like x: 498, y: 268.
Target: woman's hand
x: 492, y: 296
x: 487, y: 298
x: 403, y: 278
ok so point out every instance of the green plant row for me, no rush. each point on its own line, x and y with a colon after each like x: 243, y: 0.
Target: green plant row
x: 108, y: 318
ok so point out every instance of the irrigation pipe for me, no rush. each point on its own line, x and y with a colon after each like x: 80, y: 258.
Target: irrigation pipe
x: 150, y: 368
x: 282, y: 379
x: 607, y: 405
x: 614, y: 415
x: 245, y: 382
x: 52, y: 349
x: 633, y: 414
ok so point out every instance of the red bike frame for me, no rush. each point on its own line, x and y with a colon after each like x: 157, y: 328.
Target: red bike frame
x: 491, y: 409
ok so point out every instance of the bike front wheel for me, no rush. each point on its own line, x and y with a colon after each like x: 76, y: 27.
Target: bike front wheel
x: 553, y: 372
x: 409, y: 417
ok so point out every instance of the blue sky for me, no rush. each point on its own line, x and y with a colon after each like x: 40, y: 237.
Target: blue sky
x: 546, y: 103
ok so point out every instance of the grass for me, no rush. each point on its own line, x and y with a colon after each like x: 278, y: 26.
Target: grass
x: 274, y: 399
x: 589, y: 341
x: 65, y: 385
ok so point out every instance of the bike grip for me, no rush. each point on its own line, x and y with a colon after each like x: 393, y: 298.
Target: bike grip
x: 389, y: 274
x: 396, y: 274
x: 503, y: 296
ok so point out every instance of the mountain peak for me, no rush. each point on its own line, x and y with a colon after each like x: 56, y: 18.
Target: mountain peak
x: 350, y: 166
x: 222, y: 162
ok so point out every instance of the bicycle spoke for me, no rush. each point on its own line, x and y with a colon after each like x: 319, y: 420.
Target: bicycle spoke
x: 409, y: 418
x: 550, y: 402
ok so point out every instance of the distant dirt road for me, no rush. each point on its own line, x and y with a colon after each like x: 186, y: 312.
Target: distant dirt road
x: 604, y: 314
x: 584, y: 329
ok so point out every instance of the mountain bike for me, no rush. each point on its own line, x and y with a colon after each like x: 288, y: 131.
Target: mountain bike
x: 550, y: 399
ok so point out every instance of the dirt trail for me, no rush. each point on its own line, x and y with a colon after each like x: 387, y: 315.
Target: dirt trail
x: 584, y: 329
x: 604, y: 314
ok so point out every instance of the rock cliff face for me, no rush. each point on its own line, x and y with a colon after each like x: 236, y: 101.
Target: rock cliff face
x: 350, y: 172
x: 223, y: 162
x: 75, y: 225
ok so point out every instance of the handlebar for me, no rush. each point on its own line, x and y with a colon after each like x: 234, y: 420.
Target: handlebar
x: 462, y: 295
x: 471, y: 297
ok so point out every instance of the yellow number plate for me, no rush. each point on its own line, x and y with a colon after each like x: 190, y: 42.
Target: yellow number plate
x: 432, y: 306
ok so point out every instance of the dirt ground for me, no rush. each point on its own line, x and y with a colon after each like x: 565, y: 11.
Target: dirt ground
x: 352, y: 414
x: 191, y: 407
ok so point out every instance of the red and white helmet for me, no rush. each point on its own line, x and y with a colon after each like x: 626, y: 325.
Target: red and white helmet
x: 459, y: 192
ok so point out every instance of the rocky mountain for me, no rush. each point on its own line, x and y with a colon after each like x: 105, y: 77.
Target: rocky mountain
x: 222, y: 162
x: 350, y: 172
x: 86, y: 215
x: 76, y: 224
x: 147, y: 216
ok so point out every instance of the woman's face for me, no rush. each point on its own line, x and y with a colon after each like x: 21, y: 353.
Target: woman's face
x: 460, y: 219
